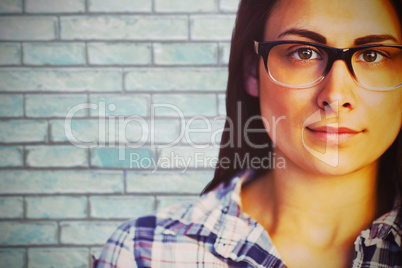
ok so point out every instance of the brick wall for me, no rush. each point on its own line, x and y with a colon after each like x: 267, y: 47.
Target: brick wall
x: 133, y: 77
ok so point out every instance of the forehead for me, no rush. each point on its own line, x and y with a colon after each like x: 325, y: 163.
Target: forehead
x: 340, y: 21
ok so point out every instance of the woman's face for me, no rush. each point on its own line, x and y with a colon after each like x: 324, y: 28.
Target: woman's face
x: 367, y: 121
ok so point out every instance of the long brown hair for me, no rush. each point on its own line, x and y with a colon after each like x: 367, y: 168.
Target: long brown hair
x: 241, y: 106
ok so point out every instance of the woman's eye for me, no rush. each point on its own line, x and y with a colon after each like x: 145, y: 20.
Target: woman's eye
x: 305, y: 54
x: 371, y: 56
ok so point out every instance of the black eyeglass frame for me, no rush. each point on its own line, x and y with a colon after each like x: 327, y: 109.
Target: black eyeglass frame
x: 334, y: 54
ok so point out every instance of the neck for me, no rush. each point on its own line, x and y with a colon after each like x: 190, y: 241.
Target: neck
x: 331, y: 210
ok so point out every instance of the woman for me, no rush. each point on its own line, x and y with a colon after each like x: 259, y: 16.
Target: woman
x: 326, y: 88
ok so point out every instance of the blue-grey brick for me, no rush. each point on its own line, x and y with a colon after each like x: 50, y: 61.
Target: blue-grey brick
x: 124, y: 27
x: 12, y: 257
x: 165, y: 131
x: 116, y: 105
x: 11, y: 207
x: 229, y: 5
x: 185, y: 6
x: 51, y: 105
x: 222, y: 104
x: 86, y: 132
x: 204, y: 132
x: 11, y: 105
x: 56, y: 207
x: 120, y: 207
x: 161, y: 181
x: 86, y: 233
x: 23, y: 131
x: 10, y: 6
x: 120, y: 6
x: 119, y: 54
x: 28, y: 233
x: 56, y: 156
x: 100, y: 132
x: 122, y: 158
x: 28, y: 28
x: 212, y: 27
x: 182, y: 53
x: 188, y: 157
x: 11, y: 156
x: 224, y: 53
x: 179, y: 105
x: 61, y: 181
x: 54, y: 53
x: 58, y: 257
x: 54, y: 6
x: 10, y: 53
x: 167, y: 201
x: 177, y: 79
x: 60, y: 80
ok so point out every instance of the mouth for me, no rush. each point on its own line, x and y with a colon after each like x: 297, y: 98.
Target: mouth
x: 333, y: 134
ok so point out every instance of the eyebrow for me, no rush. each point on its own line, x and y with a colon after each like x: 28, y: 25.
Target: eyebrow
x: 321, y: 39
x: 306, y: 33
x: 373, y: 39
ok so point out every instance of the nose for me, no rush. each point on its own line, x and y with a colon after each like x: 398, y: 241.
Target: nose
x: 337, y: 89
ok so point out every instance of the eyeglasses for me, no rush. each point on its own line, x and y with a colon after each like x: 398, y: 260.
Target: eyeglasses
x: 298, y: 64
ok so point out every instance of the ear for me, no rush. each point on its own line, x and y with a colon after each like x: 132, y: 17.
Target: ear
x: 250, y: 76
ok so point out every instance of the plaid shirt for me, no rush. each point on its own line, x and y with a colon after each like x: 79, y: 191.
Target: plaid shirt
x: 213, y: 232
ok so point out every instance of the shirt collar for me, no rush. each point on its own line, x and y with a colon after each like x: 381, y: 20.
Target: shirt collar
x: 386, y: 227
x: 238, y: 237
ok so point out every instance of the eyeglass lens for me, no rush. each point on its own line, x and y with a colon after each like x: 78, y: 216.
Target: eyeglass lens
x: 301, y: 64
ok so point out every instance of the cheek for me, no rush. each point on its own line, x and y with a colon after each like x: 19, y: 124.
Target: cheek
x: 386, y: 114
x: 283, y: 110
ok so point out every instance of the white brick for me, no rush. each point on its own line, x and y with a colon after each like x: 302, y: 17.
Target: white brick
x: 160, y: 79
x: 54, y: 53
x: 180, y: 105
x: 21, y: 79
x: 58, y: 257
x: 12, y: 257
x: 28, y: 233
x: 53, y: 6
x: 120, y: 6
x: 10, y: 53
x: 56, y: 156
x: 51, y: 105
x: 11, y: 156
x: 124, y: 28
x: 56, y: 207
x: 23, y: 131
x: 115, y: 105
x: 119, y: 54
x: 28, y: 28
x: 185, y: 6
x: 212, y: 27
x: 189, y: 182
x: 11, y: 105
x: 61, y: 181
x: 185, y: 53
x: 10, y: 6
x: 229, y: 5
x: 11, y: 207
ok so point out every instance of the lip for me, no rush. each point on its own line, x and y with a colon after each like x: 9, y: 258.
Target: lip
x: 331, y: 134
x: 329, y: 129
